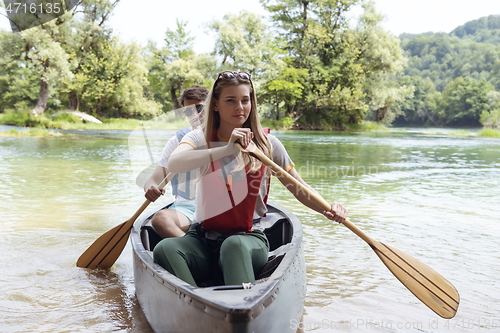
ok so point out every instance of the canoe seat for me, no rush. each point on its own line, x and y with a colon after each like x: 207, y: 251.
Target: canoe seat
x: 149, y: 237
x: 270, y: 266
x: 278, y: 231
x: 273, y: 260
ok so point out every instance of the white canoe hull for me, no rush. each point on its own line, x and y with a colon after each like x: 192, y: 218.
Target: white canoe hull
x: 273, y: 304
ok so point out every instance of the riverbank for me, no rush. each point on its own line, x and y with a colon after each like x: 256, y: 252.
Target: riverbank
x: 29, y: 132
x: 67, y: 121
x: 44, y: 125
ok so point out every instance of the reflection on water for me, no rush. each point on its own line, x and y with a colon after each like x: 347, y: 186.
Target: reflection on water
x: 432, y: 196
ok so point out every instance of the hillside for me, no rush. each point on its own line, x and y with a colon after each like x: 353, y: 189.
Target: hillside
x: 471, y: 50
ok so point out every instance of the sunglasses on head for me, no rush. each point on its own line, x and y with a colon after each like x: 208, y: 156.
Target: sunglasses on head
x: 231, y: 75
x: 189, y: 110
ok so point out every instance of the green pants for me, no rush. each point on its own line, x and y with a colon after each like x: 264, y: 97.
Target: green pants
x: 192, y: 257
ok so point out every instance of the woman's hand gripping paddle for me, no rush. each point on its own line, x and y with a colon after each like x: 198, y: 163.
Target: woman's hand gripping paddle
x: 107, y: 248
x: 426, y: 284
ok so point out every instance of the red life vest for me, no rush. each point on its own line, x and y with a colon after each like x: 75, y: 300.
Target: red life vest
x: 229, y: 198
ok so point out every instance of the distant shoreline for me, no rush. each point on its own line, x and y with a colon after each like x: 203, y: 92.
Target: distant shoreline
x: 16, y: 131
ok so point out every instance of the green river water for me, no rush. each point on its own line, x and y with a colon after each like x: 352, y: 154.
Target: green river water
x: 434, y: 196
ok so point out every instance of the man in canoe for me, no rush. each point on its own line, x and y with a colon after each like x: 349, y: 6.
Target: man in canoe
x: 232, y: 192
x: 175, y: 221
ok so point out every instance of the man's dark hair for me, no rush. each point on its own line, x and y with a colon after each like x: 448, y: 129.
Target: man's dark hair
x: 193, y: 92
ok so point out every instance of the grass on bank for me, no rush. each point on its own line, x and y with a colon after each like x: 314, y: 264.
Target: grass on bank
x: 69, y: 121
x: 286, y: 123
x: 30, y: 132
x: 367, y: 126
x: 486, y: 132
x: 461, y: 133
x: 490, y: 132
x: 282, y: 124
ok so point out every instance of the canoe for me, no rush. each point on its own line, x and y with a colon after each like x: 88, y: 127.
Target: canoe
x: 274, y: 303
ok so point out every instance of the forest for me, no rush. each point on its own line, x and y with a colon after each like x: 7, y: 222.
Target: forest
x: 455, y: 76
x: 312, y: 65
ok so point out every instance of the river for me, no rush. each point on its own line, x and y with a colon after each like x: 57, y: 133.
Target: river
x: 432, y: 195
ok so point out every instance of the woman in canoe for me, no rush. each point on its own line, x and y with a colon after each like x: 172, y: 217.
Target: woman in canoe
x: 229, y: 242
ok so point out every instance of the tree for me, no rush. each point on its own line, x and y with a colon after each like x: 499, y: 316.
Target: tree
x: 474, y: 27
x: 76, y: 59
x: 416, y: 110
x: 472, y: 52
x: 18, y: 83
x: 285, y: 88
x: 174, y: 66
x: 245, y: 42
x: 46, y: 56
x: 317, y: 39
x: 491, y: 118
x: 242, y: 42
x: 382, y: 59
x: 83, y: 43
x: 463, y: 101
x: 114, y: 80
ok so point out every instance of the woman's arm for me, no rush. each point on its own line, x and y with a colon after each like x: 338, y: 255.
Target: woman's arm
x: 186, y: 158
x: 338, y: 212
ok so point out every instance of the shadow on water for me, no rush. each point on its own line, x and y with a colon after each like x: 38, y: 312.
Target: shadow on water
x: 118, y: 299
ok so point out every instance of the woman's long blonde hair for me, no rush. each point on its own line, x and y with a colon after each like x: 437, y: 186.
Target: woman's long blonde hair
x: 212, y: 120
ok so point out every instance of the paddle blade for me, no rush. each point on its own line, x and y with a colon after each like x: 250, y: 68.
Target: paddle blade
x: 107, y: 248
x: 425, y: 283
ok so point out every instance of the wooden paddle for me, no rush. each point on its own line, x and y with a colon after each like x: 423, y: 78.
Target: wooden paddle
x: 108, y: 247
x: 426, y: 284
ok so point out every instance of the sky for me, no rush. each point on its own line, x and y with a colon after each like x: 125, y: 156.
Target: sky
x: 143, y: 20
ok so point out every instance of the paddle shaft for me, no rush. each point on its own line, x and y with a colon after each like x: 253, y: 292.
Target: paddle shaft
x: 108, y: 247
x: 426, y: 284
x: 315, y: 197
x: 146, y: 203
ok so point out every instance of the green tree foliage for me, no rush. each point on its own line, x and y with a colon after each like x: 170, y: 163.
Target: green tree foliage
x: 243, y: 42
x: 443, y: 58
x: 317, y: 40
x: 485, y: 29
x: 491, y: 118
x: 382, y: 59
x: 174, y: 66
x: 416, y: 109
x: 309, y: 64
x: 463, y: 101
x: 109, y: 77
x: 349, y: 70
x: 285, y: 89
x: 114, y: 82
x: 45, y: 55
x: 86, y: 41
x: 19, y: 85
x: 470, y: 53
x: 77, y: 61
